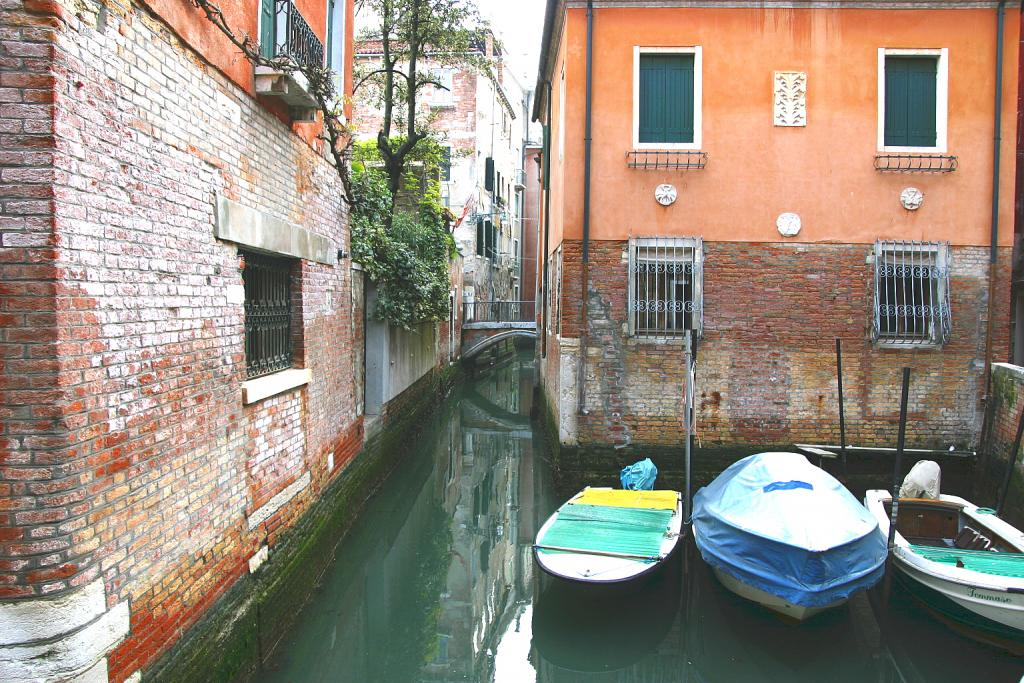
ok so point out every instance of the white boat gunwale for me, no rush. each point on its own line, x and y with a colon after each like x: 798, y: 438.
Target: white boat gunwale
x: 628, y: 570
x: 875, y: 500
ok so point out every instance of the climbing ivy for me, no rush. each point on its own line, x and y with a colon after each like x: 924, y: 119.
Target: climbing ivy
x: 405, y: 254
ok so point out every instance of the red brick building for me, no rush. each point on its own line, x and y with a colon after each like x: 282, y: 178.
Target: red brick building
x: 180, y: 352
x: 771, y: 179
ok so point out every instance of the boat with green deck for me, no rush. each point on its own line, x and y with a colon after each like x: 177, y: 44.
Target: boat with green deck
x: 610, y: 536
x: 964, y: 564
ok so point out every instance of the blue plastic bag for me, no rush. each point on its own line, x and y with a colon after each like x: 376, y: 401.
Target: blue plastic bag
x: 639, y: 476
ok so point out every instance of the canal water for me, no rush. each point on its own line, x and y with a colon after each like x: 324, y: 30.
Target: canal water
x: 436, y: 582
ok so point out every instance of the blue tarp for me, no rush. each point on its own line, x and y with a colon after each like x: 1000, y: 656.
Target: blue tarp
x: 639, y: 476
x: 780, y: 524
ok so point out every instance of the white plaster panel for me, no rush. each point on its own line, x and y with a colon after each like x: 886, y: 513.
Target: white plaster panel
x: 274, y: 504
x: 26, y: 621
x: 67, y: 658
x: 568, y: 430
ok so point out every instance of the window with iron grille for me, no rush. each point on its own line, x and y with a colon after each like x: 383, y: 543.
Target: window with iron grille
x: 912, y: 293
x: 268, y: 314
x: 665, y: 286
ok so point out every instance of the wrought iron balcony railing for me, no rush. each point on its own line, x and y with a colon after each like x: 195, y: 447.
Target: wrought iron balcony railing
x: 499, y: 311
x: 294, y: 38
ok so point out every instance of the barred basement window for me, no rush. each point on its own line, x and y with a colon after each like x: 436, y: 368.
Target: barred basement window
x: 665, y: 286
x: 268, y: 314
x: 912, y: 293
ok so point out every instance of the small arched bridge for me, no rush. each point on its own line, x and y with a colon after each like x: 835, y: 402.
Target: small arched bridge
x: 486, y: 323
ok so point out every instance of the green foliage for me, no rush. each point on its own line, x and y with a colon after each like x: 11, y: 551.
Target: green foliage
x: 405, y: 254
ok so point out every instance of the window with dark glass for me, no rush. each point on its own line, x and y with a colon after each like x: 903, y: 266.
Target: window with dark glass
x: 666, y: 98
x: 910, y: 101
x: 665, y: 286
x: 268, y: 313
x: 912, y: 293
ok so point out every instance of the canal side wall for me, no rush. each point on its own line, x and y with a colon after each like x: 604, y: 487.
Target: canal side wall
x: 1006, y: 409
x: 241, y: 629
x: 766, y: 366
x: 141, y: 475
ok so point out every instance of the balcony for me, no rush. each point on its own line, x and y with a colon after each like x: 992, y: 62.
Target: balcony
x: 294, y: 42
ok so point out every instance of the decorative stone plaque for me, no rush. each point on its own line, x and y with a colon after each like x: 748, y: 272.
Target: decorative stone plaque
x: 790, y: 98
x: 665, y: 194
x: 911, y: 198
x: 788, y: 224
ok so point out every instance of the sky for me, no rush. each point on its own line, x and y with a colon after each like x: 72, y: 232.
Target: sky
x: 519, y: 24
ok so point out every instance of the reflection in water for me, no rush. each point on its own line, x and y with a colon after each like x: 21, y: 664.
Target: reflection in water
x: 436, y: 582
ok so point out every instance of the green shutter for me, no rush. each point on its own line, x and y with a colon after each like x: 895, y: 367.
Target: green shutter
x: 267, y: 28
x: 910, y: 99
x: 666, y: 98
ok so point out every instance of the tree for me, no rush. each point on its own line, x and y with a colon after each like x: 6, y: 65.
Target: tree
x: 449, y: 33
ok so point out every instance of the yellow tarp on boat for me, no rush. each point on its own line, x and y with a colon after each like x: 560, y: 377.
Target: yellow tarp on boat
x: 650, y: 500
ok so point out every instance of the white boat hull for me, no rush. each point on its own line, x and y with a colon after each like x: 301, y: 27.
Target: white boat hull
x: 772, y: 602
x: 589, y: 568
x: 985, y: 606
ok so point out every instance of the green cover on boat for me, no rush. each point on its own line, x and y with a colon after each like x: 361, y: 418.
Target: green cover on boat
x: 984, y: 561
x: 627, y: 531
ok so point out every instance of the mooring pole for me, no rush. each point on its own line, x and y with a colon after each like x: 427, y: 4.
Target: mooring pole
x: 842, y: 411
x: 688, y: 419
x: 897, y: 468
x: 1012, y: 465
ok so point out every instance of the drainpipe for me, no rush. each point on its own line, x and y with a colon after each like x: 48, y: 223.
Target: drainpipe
x: 547, y: 223
x: 585, y: 279
x: 994, y: 239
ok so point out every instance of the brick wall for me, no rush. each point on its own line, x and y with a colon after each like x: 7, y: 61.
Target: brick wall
x: 126, y: 454
x: 766, y: 366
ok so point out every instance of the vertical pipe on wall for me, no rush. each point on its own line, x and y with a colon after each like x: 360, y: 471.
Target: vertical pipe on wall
x: 994, y: 239
x: 546, y: 188
x: 581, y: 395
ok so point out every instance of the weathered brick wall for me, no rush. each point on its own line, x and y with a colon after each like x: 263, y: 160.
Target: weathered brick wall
x: 30, y: 416
x: 126, y: 453
x: 766, y: 365
x: 1005, y: 413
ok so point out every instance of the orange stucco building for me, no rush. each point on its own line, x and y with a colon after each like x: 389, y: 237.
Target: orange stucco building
x: 771, y: 177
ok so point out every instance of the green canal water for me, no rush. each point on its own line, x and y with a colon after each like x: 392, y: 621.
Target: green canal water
x: 436, y: 582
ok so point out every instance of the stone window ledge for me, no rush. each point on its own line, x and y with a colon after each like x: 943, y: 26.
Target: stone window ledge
x: 254, y: 390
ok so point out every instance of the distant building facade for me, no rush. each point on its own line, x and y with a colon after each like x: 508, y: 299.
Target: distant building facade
x: 771, y: 179
x: 182, y: 330
x: 482, y: 123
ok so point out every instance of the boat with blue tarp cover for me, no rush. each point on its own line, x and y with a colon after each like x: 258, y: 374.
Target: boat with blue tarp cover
x: 777, y: 530
x: 610, y: 536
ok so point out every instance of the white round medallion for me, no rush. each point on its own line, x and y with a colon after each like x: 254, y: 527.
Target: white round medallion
x: 788, y: 224
x: 665, y: 194
x: 911, y: 198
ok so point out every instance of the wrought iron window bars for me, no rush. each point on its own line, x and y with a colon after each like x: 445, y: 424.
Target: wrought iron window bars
x: 268, y: 314
x: 665, y: 286
x: 912, y: 293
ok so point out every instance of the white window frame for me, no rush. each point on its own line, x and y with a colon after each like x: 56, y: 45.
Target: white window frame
x: 698, y: 90
x: 442, y: 97
x: 941, y: 97
x: 694, y: 246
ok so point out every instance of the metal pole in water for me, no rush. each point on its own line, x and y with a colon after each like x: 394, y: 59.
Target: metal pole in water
x: 687, y: 421
x: 897, y: 468
x: 842, y: 411
x: 1012, y: 464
